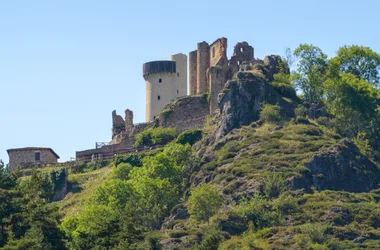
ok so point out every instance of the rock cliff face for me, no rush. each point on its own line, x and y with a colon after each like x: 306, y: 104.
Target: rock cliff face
x: 241, y: 102
x: 343, y: 167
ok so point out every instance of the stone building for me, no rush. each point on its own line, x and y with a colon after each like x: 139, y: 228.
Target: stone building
x: 30, y: 157
x: 165, y: 81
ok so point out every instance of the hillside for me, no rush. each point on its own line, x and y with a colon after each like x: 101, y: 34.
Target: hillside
x: 268, y: 170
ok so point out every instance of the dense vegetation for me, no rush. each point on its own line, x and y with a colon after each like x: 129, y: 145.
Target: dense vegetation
x: 253, y: 189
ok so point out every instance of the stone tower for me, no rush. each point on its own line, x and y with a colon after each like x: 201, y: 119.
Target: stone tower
x: 165, y: 81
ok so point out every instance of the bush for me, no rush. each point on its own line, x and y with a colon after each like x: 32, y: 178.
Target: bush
x: 315, y: 232
x: 166, y: 113
x: 203, y: 202
x: 258, y: 210
x: 122, y: 170
x: 211, y: 239
x: 301, y: 111
x: 156, y: 136
x: 285, y: 90
x: 229, y: 150
x: 270, y: 113
x: 189, y: 136
x: 274, y: 185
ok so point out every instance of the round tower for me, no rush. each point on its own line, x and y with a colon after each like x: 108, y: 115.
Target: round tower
x: 160, y: 78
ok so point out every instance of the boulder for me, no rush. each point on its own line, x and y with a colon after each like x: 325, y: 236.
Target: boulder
x: 343, y: 167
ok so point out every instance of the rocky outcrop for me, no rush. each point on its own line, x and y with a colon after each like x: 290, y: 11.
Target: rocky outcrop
x: 343, y: 167
x: 242, y: 99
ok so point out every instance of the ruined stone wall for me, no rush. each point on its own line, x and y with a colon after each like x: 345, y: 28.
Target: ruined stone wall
x: 26, y: 158
x: 218, y: 50
x: 193, y: 72
x: 217, y: 79
x: 118, y: 124
x: 203, y: 63
x: 186, y: 113
x: 243, y: 52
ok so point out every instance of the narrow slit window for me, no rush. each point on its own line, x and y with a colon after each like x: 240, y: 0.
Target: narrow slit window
x: 213, y: 52
x: 158, y: 97
x: 37, y: 156
x: 177, y: 74
x: 177, y: 91
x: 160, y: 80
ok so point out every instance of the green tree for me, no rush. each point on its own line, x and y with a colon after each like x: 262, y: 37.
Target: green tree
x: 310, y: 74
x: 355, y: 105
x: 204, y: 201
x: 360, y: 61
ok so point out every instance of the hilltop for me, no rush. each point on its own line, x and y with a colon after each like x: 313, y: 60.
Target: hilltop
x: 269, y: 169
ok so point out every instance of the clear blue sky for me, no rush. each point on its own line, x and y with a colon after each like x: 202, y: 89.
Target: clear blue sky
x: 65, y: 65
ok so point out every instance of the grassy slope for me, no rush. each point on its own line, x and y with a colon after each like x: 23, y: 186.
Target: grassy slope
x: 337, y: 217
x: 82, y: 185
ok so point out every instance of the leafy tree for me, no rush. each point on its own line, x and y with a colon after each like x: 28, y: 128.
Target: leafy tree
x: 204, y: 201
x: 158, y: 166
x: 311, y: 69
x: 360, y: 61
x: 355, y: 104
x: 155, y: 199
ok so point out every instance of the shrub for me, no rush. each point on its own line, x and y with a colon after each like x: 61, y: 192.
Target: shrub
x: 189, y: 136
x: 301, y: 111
x: 270, y: 113
x: 211, y: 239
x: 203, y: 202
x: 316, y: 232
x: 229, y: 150
x: 166, y: 113
x: 156, y: 136
x: 285, y: 89
x: 122, y: 170
x: 323, y: 120
x: 206, y: 98
x: 274, y: 185
x: 258, y: 210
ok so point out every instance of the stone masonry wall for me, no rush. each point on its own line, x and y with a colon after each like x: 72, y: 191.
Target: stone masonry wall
x: 186, y: 113
x: 203, y: 63
x: 25, y: 158
x: 193, y: 72
x: 218, y: 50
x: 217, y: 79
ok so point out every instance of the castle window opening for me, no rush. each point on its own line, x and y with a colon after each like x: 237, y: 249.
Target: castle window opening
x: 37, y: 156
x: 241, y: 49
x: 213, y: 52
x: 238, y: 62
x: 160, y: 80
x: 158, y: 97
x: 177, y: 91
x: 177, y: 74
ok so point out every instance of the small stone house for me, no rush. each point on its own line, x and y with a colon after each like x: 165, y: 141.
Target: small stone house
x: 30, y: 157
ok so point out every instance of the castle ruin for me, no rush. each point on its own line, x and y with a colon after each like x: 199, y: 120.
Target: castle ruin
x: 167, y: 89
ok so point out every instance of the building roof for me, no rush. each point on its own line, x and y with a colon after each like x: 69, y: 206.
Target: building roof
x: 32, y: 148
